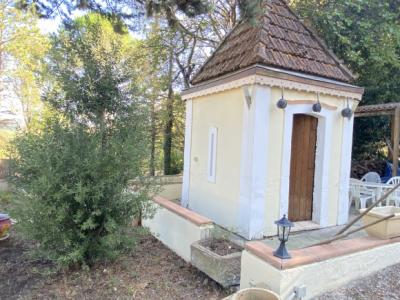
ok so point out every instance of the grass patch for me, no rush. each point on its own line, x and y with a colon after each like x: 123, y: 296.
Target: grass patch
x: 5, y: 201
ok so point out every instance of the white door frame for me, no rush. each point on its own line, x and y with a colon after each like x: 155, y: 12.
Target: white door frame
x: 322, y: 160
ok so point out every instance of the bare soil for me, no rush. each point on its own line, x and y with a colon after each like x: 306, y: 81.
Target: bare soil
x: 221, y: 247
x: 382, y: 285
x: 151, y: 271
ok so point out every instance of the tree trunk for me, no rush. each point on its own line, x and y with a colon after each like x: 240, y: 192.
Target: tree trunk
x: 169, y: 122
x: 101, y: 116
x: 153, y: 139
x: 168, y: 132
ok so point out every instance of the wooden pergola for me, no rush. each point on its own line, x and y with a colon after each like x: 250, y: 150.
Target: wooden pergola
x: 392, y: 110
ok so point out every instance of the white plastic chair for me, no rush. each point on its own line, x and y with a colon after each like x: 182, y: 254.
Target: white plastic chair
x: 360, y: 194
x: 395, y: 196
x: 372, y: 177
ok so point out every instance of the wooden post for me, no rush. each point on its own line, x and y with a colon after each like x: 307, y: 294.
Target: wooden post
x: 390, y: 146
x: 396, y: 141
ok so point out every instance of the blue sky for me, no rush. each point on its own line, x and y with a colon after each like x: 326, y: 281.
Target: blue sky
x: 49, y: 26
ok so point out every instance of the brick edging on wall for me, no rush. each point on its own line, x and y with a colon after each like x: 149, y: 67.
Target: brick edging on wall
x: 185, y: 213
x: 317, y: 253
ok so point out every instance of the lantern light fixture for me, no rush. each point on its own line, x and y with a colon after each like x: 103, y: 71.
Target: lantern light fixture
x: 284, y: 226
x: 282, y: 103
x: 317, y: 106
x: 347, y: 112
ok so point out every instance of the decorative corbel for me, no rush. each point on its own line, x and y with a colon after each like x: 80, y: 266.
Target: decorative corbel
x: 247, y: 96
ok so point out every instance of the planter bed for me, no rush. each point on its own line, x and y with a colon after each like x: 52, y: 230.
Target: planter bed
x: 386, y: 229
x: 218, y: 258
x: 5, y: 225
x: 253, y: 294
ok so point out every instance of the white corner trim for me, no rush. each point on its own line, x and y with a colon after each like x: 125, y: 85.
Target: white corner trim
x: 322, y: 157
x: 272, y: 82
x: 212, y: 154
x: 345, y: 169
x: 253, y: 164
x: 187, y: 153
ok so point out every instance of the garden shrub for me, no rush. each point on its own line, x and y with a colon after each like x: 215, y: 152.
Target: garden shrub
x: 71, y: 189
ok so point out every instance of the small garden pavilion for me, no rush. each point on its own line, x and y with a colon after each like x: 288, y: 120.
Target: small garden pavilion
x: 269, y: 129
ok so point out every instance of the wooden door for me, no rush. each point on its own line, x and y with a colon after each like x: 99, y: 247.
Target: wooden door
x: 302, y: 167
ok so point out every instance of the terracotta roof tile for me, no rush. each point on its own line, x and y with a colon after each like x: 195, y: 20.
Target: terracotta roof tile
x: 280, y: 40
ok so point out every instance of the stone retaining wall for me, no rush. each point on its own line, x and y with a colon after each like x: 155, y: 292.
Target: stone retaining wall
x: 319, y: 268
x: 177, y: 227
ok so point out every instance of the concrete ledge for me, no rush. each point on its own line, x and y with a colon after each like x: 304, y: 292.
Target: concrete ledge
x: 3, y: 185
x: 320, y: 268
x: 170, y: 185
x: 171, y: 191
x: 177, y: 227
x: 317, y: 253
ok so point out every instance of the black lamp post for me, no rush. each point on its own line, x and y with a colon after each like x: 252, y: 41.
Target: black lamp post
x: 284, y: 226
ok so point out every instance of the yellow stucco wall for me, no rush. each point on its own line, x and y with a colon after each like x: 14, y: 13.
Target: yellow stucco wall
x: 219, y: 200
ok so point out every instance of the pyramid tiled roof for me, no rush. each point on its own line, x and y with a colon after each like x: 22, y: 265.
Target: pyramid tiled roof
x: 279, y: 40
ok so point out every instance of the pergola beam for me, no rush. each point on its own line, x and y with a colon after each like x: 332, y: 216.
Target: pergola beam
x: 376, y: 110
x: 373, y: 114
x: 387, y: 109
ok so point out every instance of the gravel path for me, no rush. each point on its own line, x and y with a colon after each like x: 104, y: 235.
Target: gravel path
x: 383, y: 285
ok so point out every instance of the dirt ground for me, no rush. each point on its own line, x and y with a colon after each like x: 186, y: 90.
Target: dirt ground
x: 150, y: 272
x: 383, y: 285
x: 221, y: 246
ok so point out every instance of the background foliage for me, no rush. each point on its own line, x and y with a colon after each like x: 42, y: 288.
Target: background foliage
x: 72, y: 176
x: 22, y: 50
x: 366, y: 35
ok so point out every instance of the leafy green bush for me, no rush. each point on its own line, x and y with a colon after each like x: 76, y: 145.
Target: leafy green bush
x: 71, y: 189
x: 5, y: 200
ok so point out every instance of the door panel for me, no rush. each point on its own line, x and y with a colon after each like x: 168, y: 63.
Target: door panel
x: 302, y: 167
